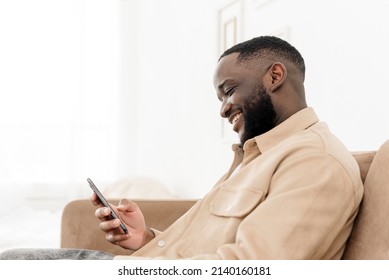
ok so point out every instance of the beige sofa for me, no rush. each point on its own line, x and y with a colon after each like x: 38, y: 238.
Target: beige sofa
x: 369, y: 238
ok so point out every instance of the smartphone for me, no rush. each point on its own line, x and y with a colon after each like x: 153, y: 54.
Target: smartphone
x: 106, y: 204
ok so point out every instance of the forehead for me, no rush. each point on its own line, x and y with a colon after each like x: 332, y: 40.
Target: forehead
x: 230, y: 68
x: 227, y: 68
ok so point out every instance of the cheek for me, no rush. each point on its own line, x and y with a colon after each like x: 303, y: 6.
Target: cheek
x: 241, y: 98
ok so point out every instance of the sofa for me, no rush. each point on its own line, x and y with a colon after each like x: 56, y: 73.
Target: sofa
x: 369, y: 239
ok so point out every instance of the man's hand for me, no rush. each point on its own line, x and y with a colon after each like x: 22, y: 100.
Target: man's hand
x: 138, y: 234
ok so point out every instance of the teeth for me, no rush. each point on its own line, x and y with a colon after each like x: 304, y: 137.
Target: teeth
x: 235, y: 119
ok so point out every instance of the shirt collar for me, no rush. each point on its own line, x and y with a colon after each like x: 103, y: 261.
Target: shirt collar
x: 295, y: 123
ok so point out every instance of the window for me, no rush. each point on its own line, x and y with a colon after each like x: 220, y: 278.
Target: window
x: 59, y: 94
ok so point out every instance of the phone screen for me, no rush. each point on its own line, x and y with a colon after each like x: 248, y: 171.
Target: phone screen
x: 106, y: 204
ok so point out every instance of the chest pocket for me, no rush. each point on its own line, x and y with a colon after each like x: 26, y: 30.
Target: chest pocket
x: 235, y: 203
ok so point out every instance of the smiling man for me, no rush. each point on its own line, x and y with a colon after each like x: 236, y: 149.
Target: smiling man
x: 293, y: 189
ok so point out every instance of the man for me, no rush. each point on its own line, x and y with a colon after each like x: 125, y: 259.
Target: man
x: 292, y: 191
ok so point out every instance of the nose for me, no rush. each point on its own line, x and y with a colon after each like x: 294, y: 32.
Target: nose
x: 226, y: 107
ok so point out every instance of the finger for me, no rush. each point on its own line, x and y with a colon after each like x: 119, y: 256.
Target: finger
x: 102, y: 213
x: 116, y: 238
x: 110, y: 225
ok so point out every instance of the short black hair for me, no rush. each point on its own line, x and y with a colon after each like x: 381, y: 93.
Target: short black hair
x: 264, y: 45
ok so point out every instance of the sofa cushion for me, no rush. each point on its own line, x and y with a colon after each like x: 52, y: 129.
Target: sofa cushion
x: 370, y: 236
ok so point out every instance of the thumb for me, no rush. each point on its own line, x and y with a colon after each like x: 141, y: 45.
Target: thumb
x: 126, y: 205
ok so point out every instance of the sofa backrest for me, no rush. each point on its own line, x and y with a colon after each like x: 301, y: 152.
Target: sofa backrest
x: 80, y: 229
x: 370, y: 235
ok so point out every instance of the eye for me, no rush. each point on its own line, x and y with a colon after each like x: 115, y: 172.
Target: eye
x: 230, y: 91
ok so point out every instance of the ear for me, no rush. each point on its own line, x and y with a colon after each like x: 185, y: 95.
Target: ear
x: 278, y: 74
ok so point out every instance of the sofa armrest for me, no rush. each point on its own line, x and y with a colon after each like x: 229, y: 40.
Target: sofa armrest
x: 80, y: 228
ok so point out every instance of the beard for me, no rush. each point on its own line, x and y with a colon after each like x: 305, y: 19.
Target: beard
x: 259, y: 114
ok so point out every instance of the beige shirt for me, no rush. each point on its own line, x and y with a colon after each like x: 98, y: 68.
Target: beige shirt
x: 295, y: 196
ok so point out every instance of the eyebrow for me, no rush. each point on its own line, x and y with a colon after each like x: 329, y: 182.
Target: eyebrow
x: 221, y: 86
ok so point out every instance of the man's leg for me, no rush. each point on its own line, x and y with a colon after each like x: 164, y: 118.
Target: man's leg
x: 55, y: 254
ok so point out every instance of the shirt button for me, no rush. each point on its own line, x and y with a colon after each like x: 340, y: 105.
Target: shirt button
x: 161, y: 243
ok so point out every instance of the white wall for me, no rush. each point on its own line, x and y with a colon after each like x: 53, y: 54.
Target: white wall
x: 344, y: 44
x: 59, y: 96
x: 178, y: 113
x: 129, y: 82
